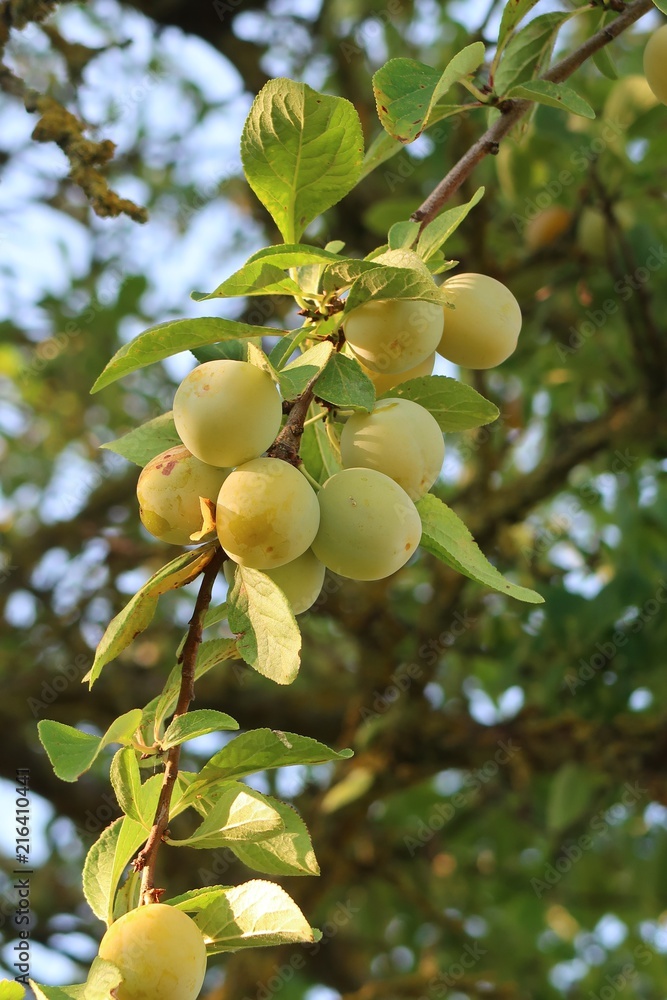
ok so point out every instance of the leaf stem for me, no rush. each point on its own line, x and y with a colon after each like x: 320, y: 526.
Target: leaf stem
x: 513, y: 111
x: 146, y: 860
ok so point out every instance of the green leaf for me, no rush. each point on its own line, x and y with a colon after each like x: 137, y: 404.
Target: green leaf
x: 106, y: 861
x: 338, y: 276
x: 210, y: 654
x: 57, y: 992
x: 259, y: 359
x: 261, y: 749
x: 301, y: 151
x: 455, y: 405
x: 196, y: 723
x: 384, y: 282
x: 72, y: 751
x: 285, y: 348
x: 355, y: 783
x: 317, y: 452
x: 343, y: 383
x: 196, y: 899
x: 126, y: 781
x: 661, y: 5
x: 216, y: 614
x: 602, y: 58
x: 288, y: 852
x: 128, y: 895
x: 445, y: 536
x: 11, y: 990
x: 268, y: 637
x: 172, y: 337
x: 238, y: 814
x: 257, y: 278
x: 384, y: 146
x: 102, y: 979
x: 255, y: 914
x: 555, y: 95
x: 528, y: 51
x: 571, y: 794
x: 403, y: 235
x: 109, y: 856
x: 406, y: 91
x: 228, y: 350
x: 287, y: 255
x: 514, y: 11
x: 146, y: 441
x: 438, y: 232
x: 295, y: 377
x: 138, y: 613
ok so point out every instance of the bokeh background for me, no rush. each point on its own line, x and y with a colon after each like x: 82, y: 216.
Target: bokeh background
x: 502, y: 829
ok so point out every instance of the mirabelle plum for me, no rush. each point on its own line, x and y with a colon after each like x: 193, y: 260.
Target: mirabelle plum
x: 227, y: 412
x: 593, y: 230
x: 483, y: 328
x: 399, y: 438
x: 300, y: 580
x: 267, y: 514
x: 168, y: 491
x: 655, y: 63
x: 393, y: 335
x: 546, y: 227
x: 630, y: 97
x: 160, y: 952
x: 369, y: 526
x: 383, y: 383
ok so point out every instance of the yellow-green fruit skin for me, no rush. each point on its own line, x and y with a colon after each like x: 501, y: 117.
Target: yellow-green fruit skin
x: 655, y: 63
x: 227, y: 412
x: 300, y: 580
x: 482, y: 329
x: 593, y: 231
x: 160, y: 952
x: 267, y: 514
x: 547, y: 226
x: 168, y: 491
x: 369, y: 526
x: 383, y: 383
x: 398, y: 438
x: 392, y: 336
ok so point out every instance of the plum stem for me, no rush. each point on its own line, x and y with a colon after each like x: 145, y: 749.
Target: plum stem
x: 146, y: 860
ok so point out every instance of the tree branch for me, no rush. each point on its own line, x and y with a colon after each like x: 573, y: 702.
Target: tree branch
x: 513, y: 111
x: 146, y: 859
x: 287, y: 444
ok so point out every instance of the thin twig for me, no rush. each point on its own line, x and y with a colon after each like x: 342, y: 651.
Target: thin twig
x: 513, y: 111
x: 287, y: 444
x: 146, y: 859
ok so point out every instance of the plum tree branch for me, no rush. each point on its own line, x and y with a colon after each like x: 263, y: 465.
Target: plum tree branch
x: 512, y: 111
x: 146, y: 859
x: 287, y: 444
